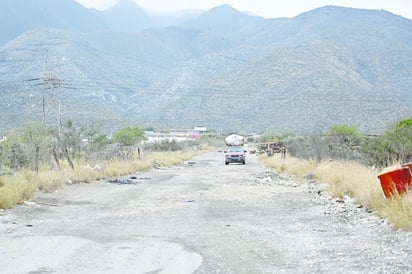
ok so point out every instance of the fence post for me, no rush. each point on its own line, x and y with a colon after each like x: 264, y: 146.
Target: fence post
x: 13, y: 158
x: 36, y: 159
x: 1, y: 159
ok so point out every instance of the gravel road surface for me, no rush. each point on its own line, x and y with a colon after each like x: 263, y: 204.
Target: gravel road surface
x: 201, y: 217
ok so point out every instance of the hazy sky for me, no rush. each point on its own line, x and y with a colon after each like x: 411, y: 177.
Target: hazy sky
x: 265, y: 8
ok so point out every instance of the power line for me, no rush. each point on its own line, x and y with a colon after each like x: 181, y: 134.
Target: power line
x: 55, y: 84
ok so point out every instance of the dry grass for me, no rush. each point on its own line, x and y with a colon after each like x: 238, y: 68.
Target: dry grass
x: 353, y: 179
x: 15, y: 189
x: 292, y: 166
x: 398, y: 211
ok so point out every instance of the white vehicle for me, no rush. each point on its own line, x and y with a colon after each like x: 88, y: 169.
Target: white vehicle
x: 235, y: 154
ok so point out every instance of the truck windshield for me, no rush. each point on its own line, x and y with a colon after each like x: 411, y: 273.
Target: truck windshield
x: 235, y: 149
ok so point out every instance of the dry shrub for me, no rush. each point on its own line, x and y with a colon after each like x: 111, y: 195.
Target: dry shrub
x: 289, y: 165
x: 398, y: 211
x: 161, y: 159
x: 14, y: 190
x: 48, y: 181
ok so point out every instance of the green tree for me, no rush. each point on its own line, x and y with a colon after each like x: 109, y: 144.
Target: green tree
x: 346, y: 134
x: 342, y: 139
x: 14, y: 155
x: 38, y: 140
x: 376, y: 150
x: 36, y: 134
x: 395, y: 145
x: 405, y: 124
x: 70, y: 137
x: 400, y: 140
x: 129, y: 135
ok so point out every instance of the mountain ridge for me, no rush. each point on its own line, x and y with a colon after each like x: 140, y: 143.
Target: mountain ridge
x: 300, y: 74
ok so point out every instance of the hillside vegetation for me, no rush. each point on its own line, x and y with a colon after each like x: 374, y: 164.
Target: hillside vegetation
x: 223, y: 69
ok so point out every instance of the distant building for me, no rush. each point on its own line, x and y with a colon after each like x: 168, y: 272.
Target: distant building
x: 201, y: 129
x: 176, y: 134
x: 197, y: 132
x: 179, y: 132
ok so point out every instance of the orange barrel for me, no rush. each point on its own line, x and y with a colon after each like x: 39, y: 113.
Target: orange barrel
x: 408, y: 165
x: 396, y: 179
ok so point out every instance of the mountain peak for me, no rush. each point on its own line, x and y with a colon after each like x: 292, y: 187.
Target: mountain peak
x: 126, y: 16
x: 223, y: 10
x: 344, y: 12
x: 224, y: 20
x: 125, y: 4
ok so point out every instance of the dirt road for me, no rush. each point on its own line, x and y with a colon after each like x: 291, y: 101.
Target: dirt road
x: 199, y: 218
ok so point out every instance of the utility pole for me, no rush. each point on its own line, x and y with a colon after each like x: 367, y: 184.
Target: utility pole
x: 43, y: 95
x: 59, y: 116
x: 50, y: 83
x: 44, y: 110
x: 54, y: 83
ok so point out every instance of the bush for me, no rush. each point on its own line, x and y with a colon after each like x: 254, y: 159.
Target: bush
x: 129, y: 135
x: 14, y: 190
x: 165, y: 145
x: 394, y: 146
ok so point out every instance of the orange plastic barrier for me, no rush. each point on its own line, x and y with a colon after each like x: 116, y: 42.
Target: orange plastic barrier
x: 396, y: 180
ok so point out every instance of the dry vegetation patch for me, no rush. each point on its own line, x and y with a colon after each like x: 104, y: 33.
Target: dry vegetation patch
x: 353, y: 179
x: 21, y: 186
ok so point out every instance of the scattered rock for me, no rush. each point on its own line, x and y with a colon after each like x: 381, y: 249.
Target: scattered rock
x: 267, y: 179
x: 309, y: 176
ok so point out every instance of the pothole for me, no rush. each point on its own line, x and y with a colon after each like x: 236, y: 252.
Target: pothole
x: 127, y: 181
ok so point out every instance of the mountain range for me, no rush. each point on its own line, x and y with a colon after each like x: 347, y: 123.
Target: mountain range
x: 220, y: 68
